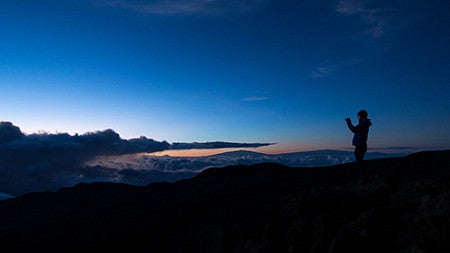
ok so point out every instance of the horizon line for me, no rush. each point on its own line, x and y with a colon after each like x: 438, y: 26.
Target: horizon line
x: 211, y: 152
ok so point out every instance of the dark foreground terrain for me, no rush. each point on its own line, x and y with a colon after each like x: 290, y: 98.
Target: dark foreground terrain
x: 399, y: 205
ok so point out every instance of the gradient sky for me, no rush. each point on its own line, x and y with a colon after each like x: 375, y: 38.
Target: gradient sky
x: 286, y: 72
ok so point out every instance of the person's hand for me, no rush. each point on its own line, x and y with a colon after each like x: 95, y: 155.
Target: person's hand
x: 347, y: 119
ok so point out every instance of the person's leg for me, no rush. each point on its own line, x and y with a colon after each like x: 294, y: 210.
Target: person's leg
x: 357, y: 154
x: 360, y: 151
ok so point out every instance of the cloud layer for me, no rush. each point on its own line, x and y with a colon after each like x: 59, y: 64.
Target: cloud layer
x: 216, y: 144
x: 185, y: 7
x: 143, y: 169
x: 39, y: 162
x: 373, y: 17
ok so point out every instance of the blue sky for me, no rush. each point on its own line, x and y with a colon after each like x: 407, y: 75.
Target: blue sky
x: 287, y: 72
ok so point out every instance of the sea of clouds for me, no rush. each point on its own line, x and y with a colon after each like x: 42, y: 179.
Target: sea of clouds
x: 47, y: 162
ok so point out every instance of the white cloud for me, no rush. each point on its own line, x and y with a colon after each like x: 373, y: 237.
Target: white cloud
x: 349, y: 7
x: 371, y: 16
x: 251, y: 99
x: 323, y: 71
x: 185, y: 7
x: 328, y: 70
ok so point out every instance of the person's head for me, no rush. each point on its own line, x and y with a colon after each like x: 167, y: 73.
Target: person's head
x: 362, y: 114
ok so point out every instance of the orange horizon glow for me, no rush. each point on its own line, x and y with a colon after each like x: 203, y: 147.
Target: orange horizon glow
x: 272, y: 150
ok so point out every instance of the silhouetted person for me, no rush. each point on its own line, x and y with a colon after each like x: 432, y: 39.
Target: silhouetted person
x: 360, y: 132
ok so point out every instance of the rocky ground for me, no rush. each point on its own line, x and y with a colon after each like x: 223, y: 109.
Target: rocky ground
x: 394, y: 205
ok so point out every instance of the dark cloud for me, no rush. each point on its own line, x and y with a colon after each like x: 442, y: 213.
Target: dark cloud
x: 42, y: 162
x: 216, y: 144
x: 9, y: 132
x: 65, y: 150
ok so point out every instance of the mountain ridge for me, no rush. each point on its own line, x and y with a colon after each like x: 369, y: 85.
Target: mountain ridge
x: 401, y: 204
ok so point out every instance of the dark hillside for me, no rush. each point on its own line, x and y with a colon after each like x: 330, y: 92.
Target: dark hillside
x: 399, y: 205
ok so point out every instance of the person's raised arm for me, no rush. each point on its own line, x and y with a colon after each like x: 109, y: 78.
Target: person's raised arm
x: 352, y: 128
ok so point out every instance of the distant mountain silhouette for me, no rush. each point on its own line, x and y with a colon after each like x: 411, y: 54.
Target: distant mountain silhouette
x: 400, y: 205
x: 295, y: 159
x: 142, y: 170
